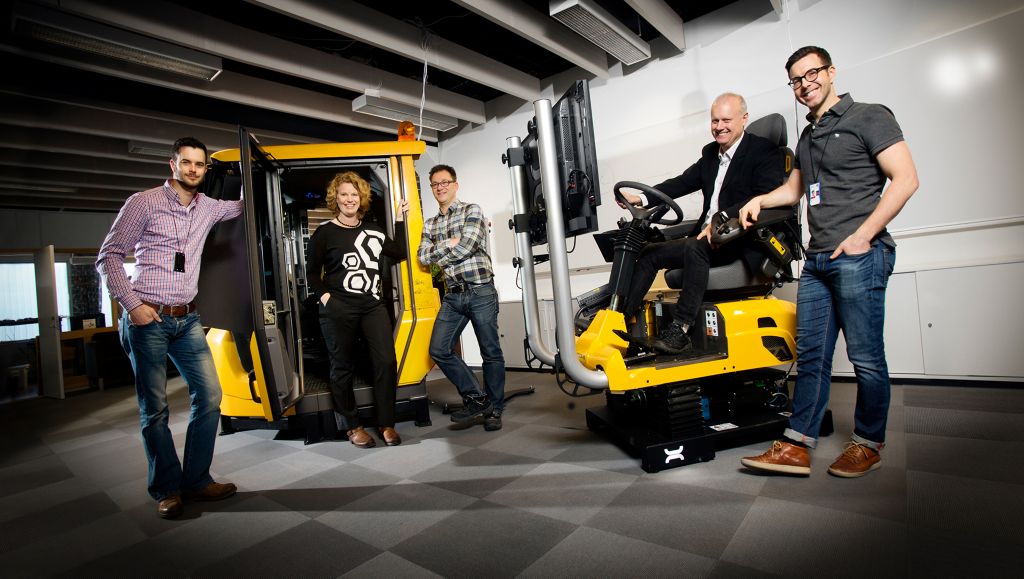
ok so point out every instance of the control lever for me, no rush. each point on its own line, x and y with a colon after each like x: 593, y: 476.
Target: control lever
x: 724, y: 229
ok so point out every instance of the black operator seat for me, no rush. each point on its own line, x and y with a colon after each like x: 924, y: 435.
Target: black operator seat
x: 737, y: 277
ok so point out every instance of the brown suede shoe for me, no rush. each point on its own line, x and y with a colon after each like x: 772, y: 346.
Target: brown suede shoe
x: 782, y: 457
x: 856, y: 460
x: 214, y: 492
x: 390, y: 436
x: 170, y: 507
x: 359, y: 437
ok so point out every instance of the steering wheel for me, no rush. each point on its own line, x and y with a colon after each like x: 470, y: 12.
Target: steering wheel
x: 651, y: 213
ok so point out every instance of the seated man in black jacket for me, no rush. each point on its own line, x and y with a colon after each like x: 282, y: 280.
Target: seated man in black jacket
x: 731, y: 170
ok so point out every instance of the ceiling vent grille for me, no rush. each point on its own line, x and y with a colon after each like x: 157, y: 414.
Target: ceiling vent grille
x: 78, y: 34
x: 592, y: 22
x: 384, y: 108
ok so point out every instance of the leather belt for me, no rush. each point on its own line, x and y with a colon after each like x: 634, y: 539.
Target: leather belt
x: 173, y: 311
x: 465, y: 287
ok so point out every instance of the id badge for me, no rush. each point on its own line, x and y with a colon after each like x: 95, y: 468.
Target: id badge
x: 814, y: 193
x: 179, y: 262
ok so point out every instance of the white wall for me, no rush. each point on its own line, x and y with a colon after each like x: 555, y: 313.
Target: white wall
x: 949, y: 70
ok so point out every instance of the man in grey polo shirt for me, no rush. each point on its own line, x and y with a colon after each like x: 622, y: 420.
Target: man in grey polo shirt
x: 842, y: 162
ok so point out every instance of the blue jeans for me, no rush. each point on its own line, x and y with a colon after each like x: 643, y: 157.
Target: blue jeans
x: 148, y: 347
x: 479, y: 305
x: 848, y: 294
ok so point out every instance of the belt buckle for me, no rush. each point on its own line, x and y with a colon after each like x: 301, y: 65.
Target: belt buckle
x: 457, y: 289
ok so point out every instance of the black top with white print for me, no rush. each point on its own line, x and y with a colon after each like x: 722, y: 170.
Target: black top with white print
x: 346, y: 261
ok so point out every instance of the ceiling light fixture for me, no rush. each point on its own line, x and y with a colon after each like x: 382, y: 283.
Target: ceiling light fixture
x: 380, y: 107
x: 61, y: 29
x: 592, y: 22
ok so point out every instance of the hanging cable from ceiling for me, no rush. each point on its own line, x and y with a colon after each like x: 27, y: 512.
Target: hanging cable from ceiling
x: 425, y: 44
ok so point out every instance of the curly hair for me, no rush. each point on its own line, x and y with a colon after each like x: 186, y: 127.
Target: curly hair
x: 358, y: 182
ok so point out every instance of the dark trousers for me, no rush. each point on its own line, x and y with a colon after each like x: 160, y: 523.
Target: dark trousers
x: 693, y: 255
x: 342, y: 322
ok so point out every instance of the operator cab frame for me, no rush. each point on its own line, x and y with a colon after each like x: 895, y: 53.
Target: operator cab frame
x: 264, y: 329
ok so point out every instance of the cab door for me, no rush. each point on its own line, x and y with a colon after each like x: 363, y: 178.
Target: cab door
x: 274, y: 298
x: 248, y: 290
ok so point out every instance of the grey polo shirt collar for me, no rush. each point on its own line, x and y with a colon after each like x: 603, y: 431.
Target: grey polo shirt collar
x: 838, y: 109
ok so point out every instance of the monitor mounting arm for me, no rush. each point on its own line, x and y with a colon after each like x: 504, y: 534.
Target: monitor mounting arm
x: 565, y: 334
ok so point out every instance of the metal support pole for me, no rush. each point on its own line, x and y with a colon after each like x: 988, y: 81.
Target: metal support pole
x: 551, y: 185
x: 525, y: 253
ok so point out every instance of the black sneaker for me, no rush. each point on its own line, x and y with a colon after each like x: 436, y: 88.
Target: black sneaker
x: 673, y: 340
x: 492, y: 421
x: 473, y: 407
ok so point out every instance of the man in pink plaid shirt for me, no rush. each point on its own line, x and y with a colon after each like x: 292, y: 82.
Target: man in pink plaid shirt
x: 166, y: 228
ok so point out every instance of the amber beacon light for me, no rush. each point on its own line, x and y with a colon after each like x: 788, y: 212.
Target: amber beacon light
x: 406, y: 131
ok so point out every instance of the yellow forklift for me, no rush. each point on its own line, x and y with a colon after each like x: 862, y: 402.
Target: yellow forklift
x: 267, y: 347
x: 731, y: 389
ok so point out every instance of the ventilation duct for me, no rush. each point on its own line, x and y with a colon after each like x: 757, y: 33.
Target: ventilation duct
x: 380, y: 107
x: 76, y: 34
x: 592, y: 22
x: 149, y: 149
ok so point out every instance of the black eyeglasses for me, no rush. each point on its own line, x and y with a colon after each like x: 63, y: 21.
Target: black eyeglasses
x: 809, y: 76
x: 439, y: 184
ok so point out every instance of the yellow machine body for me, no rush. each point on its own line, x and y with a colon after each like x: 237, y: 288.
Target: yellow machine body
x: 745, y: 327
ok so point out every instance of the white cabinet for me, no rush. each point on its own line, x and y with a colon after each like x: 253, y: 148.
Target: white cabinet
x: 972, y: 320
x: 512, y: 332
x: 961, y: 322
x: 902, y: 330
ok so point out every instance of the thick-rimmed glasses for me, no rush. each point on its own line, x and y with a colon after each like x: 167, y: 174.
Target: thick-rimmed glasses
x: 809, y: 76
x: 440, y: 184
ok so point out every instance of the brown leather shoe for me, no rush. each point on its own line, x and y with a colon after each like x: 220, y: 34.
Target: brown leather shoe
x: 782, y: 457
x: 856, y: 460
x: 390, y: 436
x: 359, y: 437
x: 170, y: 507
x: 214, y: 492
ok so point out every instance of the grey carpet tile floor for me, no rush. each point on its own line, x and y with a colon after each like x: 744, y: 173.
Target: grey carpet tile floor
x: 543, y: 497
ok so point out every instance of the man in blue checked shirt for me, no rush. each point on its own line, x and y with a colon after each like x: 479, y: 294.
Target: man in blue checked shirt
x: 456, y: 240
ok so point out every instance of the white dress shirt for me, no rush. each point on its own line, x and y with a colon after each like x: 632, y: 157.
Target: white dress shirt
x: 723, y: 167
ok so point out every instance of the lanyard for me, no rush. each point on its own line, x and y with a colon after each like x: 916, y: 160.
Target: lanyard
x: 821, y: 158
x: 174, y: 221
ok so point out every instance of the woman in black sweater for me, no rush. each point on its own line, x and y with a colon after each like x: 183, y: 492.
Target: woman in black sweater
x: 345, y: 271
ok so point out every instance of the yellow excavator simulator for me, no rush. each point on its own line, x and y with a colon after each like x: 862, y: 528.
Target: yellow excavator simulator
x: 670, y: 410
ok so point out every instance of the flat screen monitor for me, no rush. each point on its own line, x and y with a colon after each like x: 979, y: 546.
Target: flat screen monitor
x: 577, y: 167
